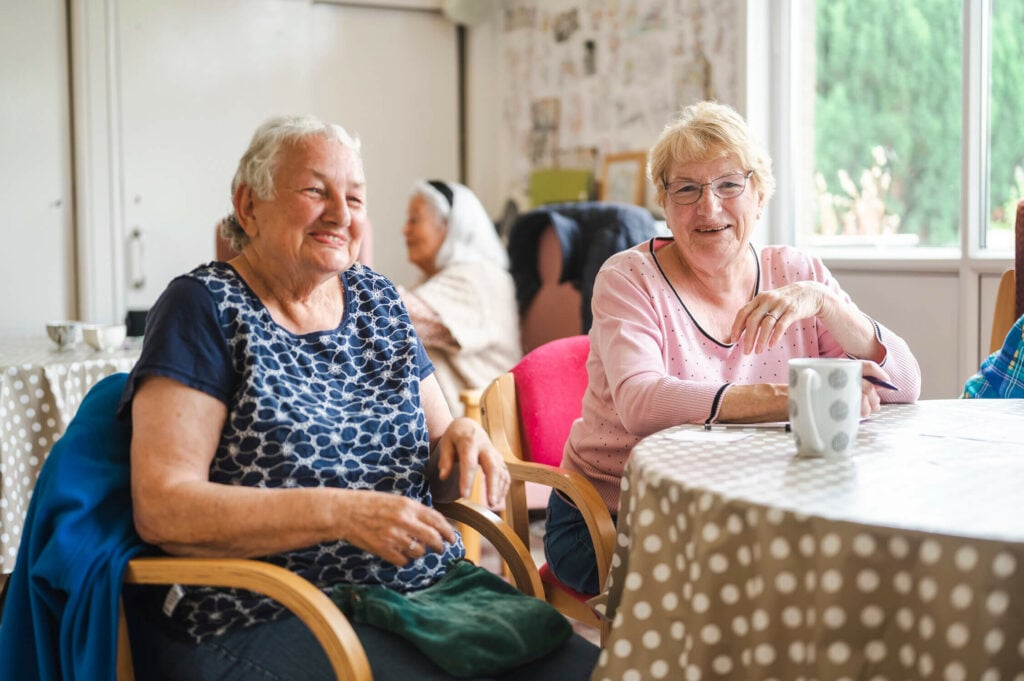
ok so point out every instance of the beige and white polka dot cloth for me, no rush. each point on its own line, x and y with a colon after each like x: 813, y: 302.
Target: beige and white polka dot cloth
x: 40, y: 390
x: 737, y: 560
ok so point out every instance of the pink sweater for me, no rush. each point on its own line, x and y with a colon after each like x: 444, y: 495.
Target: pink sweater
x: 651, y: 366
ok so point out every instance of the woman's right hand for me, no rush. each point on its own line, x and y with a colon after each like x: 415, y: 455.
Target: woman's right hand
x: 396, y: 528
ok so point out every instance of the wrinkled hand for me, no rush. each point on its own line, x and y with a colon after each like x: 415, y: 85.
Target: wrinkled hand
x: 466, y: 443
x: 764, y: 319
x: 870, y: 401
x: 396, y: 528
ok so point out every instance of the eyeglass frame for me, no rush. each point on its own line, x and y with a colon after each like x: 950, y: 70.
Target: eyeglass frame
x: 700, y: 194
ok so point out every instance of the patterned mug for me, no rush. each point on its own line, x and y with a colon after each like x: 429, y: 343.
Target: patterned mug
x: 824, y: 405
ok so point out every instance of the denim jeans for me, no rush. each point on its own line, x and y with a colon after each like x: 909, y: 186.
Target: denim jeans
x: 568, y: 547
x: 287, y: 650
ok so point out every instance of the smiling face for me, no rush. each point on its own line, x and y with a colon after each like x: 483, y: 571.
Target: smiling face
x: 314, y: 224
x: 712, y: 230
x: 424, y: 234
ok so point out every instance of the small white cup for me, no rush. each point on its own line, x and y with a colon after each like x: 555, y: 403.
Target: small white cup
x: 824, y: 405
x: 104, y: 337
x: 66, y: 334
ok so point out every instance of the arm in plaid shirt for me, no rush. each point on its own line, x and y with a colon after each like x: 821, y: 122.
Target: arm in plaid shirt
x: 1002, y: 373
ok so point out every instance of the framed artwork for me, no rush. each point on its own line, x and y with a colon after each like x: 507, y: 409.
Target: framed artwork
x: 622, y: 178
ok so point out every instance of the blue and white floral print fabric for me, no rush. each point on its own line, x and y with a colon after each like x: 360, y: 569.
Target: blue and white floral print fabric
x: 335, y: 408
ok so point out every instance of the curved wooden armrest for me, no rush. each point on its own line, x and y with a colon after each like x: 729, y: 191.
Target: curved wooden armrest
x: 583, y: 495
x: 308, y: 603
x: 508, y: 544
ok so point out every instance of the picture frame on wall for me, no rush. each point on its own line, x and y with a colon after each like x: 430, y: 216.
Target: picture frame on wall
x: 622, y: 178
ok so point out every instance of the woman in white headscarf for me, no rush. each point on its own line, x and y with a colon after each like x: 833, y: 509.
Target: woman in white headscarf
x: 464, y: 310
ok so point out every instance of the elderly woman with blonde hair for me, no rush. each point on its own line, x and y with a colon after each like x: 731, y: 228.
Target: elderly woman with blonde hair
x: 464, y: 309
x: 699, y: 327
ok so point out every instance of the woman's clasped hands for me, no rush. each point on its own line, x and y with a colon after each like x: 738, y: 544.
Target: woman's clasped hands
x: 763, y: 321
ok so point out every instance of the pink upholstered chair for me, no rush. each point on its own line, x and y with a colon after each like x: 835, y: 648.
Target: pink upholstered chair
x: 528, y: 413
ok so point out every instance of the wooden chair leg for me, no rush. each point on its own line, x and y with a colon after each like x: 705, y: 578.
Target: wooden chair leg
x: 470, y: 537
x: 125, y: 665
x: 470, y: 399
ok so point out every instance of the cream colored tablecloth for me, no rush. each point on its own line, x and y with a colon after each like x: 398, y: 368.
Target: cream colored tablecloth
x: 737, y: 560
x: 40, y: 390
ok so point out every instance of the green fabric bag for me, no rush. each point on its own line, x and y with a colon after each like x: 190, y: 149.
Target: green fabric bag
x: 470, y: 622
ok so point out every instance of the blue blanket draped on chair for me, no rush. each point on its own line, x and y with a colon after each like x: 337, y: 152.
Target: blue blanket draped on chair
x: 61, y: 612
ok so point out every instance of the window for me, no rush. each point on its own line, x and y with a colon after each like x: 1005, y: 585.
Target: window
x: 1006, y: 127
x: 876, y: 92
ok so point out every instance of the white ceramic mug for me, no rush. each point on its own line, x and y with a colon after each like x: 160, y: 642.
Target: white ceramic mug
x: 824, y: 405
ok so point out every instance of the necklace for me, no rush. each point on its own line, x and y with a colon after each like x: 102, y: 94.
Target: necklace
x: 686, y: 308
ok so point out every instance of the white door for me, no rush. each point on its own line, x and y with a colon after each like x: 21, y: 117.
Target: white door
x: 36, y: 259
x: 197, y: 78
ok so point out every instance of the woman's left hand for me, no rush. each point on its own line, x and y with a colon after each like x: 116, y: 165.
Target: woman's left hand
x: 764, y: 319
x: 465, y: 444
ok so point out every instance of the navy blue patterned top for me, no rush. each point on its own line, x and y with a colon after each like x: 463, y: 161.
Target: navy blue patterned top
x: 335, y: 408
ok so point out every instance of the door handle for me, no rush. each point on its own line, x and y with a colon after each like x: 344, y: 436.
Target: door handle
x: 136, y: 277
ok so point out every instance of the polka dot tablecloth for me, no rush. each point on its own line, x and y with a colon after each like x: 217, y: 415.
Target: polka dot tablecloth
x: 737, y: 560
x: 40, y: 390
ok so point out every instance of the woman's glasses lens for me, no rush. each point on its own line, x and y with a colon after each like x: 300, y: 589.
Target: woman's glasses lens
x: 684, y: 192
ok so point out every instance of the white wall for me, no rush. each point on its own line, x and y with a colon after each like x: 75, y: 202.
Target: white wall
x: 36, y: 260
x: 390, y: 77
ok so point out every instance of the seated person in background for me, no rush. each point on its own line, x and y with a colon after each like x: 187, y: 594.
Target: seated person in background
x: 283, y: 408
x: 464, y: 310
x: 699, y: 327
x: 1001, y: 373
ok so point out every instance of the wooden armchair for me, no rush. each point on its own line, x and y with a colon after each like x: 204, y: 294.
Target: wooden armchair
x: 528, y: 412
x: 308, y: 603
x: 63, y: 607
x: 1010, y: 296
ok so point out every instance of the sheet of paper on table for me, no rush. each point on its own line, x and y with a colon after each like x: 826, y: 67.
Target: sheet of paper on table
x: 710, y: 435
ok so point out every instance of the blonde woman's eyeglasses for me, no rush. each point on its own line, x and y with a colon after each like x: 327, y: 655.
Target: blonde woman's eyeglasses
x: 687, y: 192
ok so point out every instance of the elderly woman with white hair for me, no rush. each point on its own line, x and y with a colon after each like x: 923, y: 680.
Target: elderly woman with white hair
x: 464, y: 310
x: 283, y: 409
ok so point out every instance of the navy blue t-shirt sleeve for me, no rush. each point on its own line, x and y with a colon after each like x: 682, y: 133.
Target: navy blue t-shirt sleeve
x: 184, y: 341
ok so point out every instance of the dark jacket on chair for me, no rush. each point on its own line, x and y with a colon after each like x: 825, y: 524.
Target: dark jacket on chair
x: 588, y: 232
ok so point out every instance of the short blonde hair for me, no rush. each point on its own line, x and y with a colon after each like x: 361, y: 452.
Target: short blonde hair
x: 705, y: 131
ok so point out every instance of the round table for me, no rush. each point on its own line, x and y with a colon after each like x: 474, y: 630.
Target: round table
x: 737, y: 560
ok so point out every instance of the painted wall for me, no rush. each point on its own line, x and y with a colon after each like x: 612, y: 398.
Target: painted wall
x: 574, y: 80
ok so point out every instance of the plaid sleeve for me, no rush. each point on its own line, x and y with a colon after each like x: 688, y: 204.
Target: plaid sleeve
x: 1002, y: 372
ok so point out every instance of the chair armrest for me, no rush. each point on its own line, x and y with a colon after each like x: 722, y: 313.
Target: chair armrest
x: 581, y: 493
x: 309, y: 604
x: 470, y: 399
x: 509, y: 546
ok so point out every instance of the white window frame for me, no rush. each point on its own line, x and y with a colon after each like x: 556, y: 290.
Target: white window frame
x: 769, y: 98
